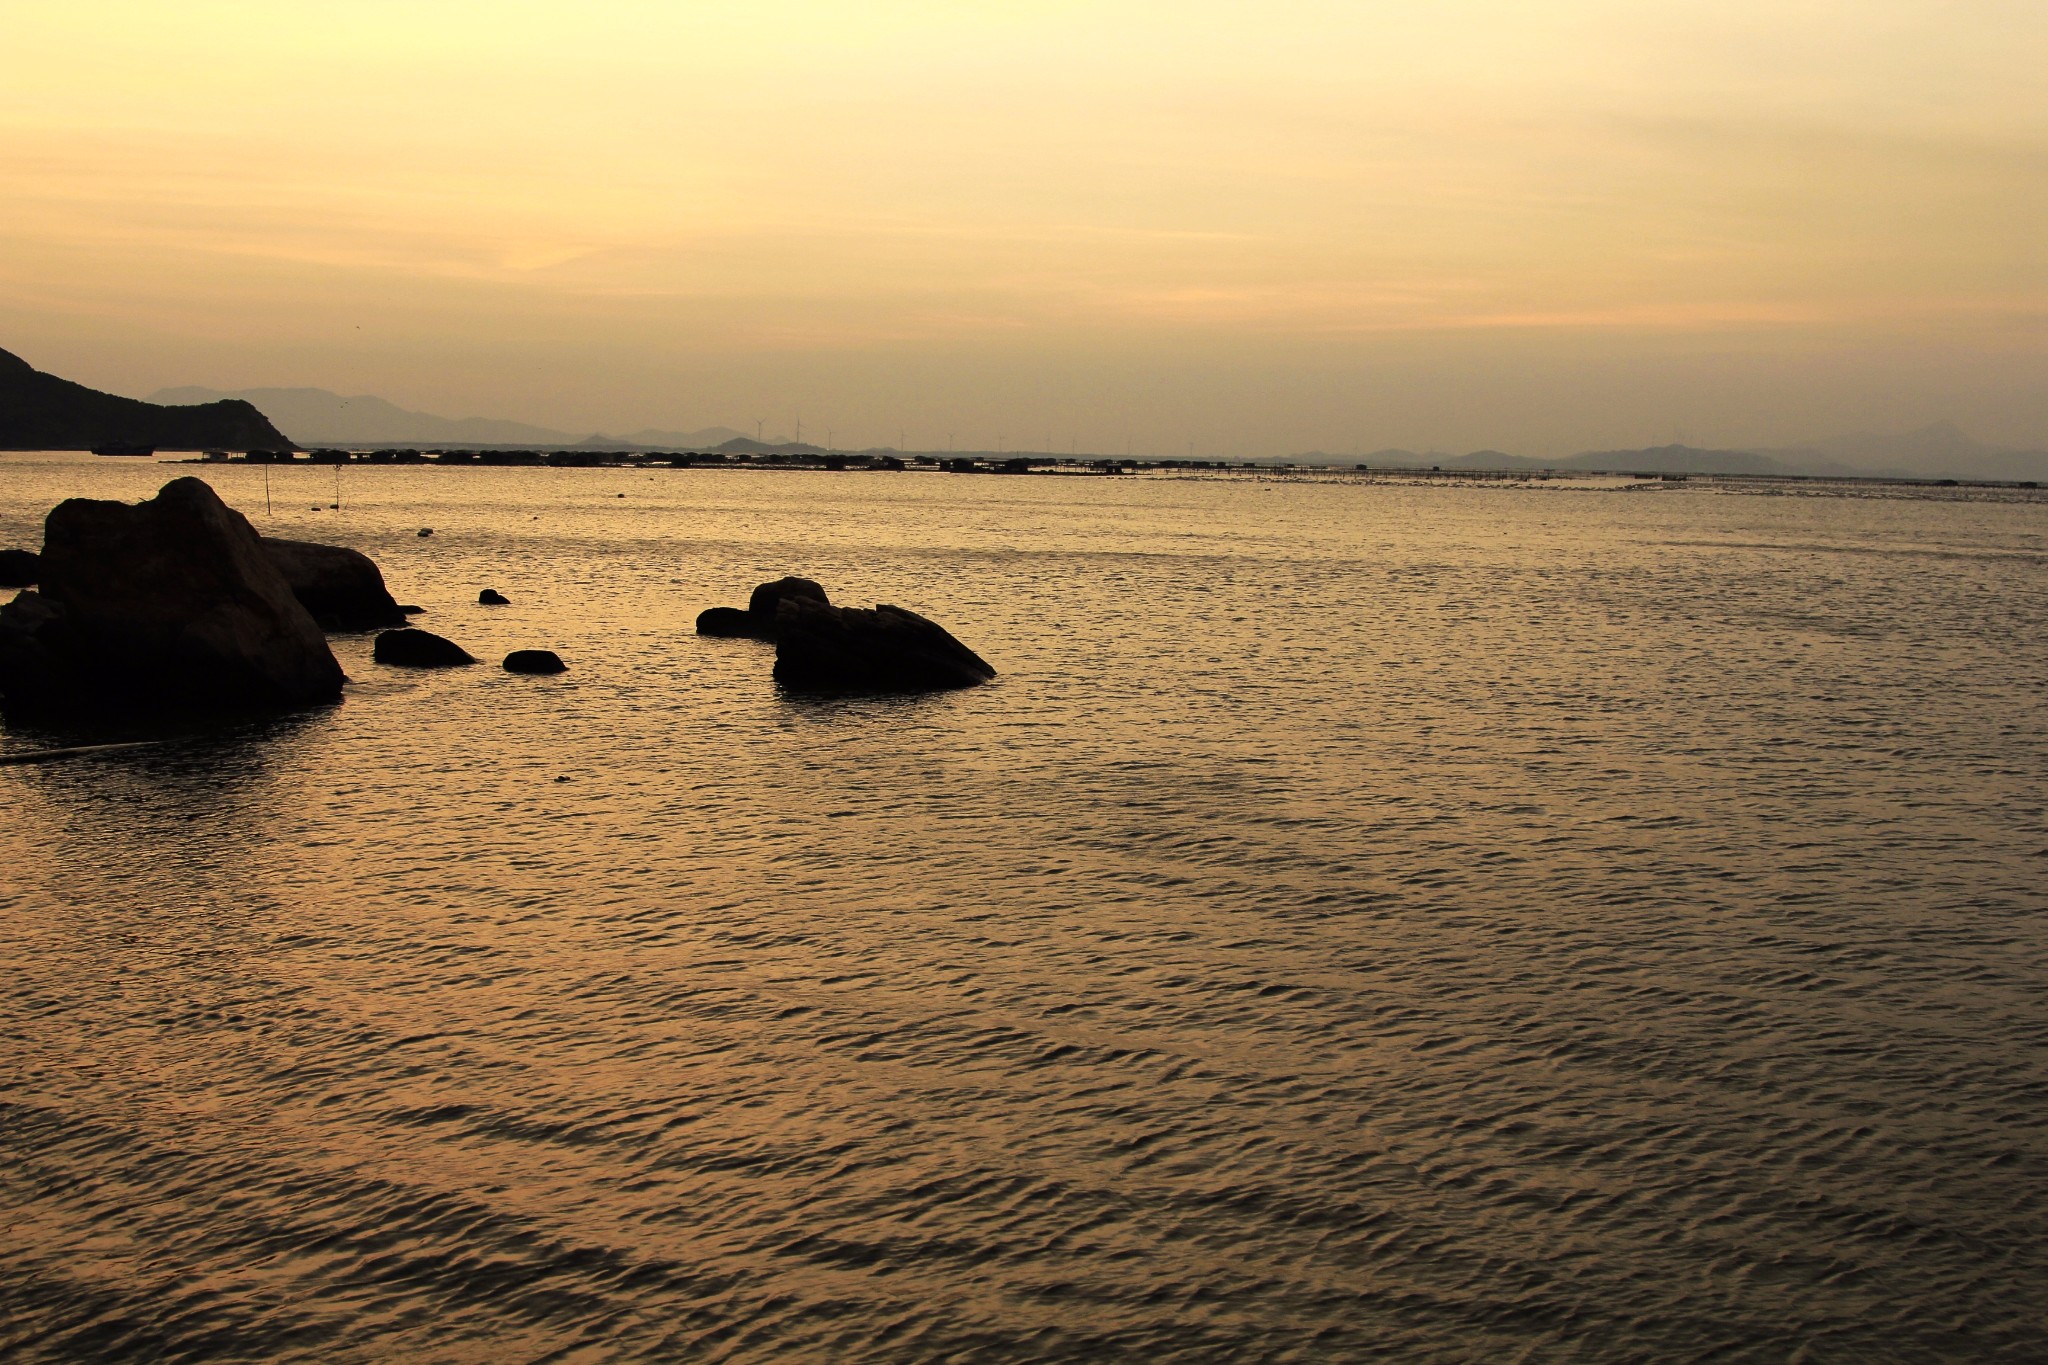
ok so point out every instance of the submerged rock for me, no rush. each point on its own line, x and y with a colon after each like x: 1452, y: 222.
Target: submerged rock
x: 491, y: 597
x: 170, y: 602
x: 821, y: 648
x: 534, y: 661
x: 342, y: 588
x: 19, y: 568
x: 410, y: 648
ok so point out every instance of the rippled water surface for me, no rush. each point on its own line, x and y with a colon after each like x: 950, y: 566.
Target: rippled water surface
x: 1549, y: 923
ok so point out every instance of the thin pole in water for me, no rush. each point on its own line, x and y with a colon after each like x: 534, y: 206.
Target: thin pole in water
x: 266, y: 488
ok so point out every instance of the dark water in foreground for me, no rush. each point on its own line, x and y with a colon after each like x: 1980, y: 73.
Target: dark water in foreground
x: 1462, y: 924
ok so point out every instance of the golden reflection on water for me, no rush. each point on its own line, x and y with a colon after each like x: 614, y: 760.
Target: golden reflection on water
x: 1431, y: 922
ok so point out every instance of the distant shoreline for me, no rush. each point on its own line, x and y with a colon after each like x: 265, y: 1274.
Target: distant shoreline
x: 997, y: 464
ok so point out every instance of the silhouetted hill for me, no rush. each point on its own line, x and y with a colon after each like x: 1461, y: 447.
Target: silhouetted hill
x: 319, y: 417
x: 42, y: 412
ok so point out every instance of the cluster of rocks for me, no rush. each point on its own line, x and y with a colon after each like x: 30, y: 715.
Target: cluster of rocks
x: 178, y: 603
x: 757, y: 621
x: 823, y: 648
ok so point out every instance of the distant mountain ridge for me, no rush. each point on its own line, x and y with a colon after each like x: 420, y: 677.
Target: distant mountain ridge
x: 1938, y: 451
x: 39, y: 411
x: 317, y: 417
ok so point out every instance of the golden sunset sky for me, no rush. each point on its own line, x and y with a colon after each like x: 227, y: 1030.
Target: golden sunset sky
x: 1538, y: 225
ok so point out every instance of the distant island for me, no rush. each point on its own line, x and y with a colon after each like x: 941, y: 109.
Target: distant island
x: 42, y: 412
x: 321, y: 417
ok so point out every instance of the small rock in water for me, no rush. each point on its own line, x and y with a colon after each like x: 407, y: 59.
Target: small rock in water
x: 491, y: 597
x: 407, y: 609
x: 410, y: 648
x: 534, y: 661
x: 426, y: 531
x: 19, y: 568
x: 728, y: 623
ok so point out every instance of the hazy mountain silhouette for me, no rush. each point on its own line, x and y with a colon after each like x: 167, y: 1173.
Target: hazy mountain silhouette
x: 42, y: 412
x: 747, y: 445
x: 704, y: 439
x: 318, y: 417
x: 1675, y: 459
x: 1939, y: 450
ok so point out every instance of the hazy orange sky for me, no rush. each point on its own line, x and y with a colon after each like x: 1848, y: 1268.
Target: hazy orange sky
x: 1539, y: 225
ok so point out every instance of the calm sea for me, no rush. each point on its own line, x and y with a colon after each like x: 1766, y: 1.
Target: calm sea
x: 1550, y: 923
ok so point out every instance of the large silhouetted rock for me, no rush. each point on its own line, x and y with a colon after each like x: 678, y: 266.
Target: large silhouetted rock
x: 341, y: 587
x: 410, y: 648
x: 169, y: 602
x: 820, y: 648
x: 42, y: 412
x: 19, y: 568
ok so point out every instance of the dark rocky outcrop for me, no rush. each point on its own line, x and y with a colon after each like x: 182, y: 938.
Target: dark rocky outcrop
x: 342, y: 588
x: 410, y: 648
x: 769, y: 597
x: 757, y: 622
x: 166, y: 603
x: 822, y: 648
x: 19, y: 568
x: 42, y: 412
x: 729, y: 623
x: 491, y: 597
x: 534, y: 661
